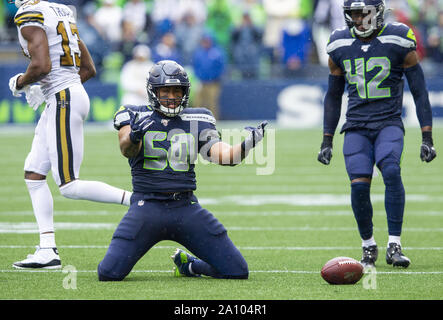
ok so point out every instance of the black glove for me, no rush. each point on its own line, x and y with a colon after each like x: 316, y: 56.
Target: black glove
x: 256, y: 135
x: 427, y: 150
x: 139, y: 126
x: 325, y: 153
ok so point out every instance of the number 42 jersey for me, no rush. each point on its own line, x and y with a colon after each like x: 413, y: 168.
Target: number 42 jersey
x: 59, y: 24
x: 374, y: 74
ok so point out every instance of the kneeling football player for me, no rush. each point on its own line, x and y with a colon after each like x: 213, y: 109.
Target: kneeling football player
x: 161, y: 142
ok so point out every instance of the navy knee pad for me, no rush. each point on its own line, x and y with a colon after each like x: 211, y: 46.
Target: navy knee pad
x: 108, y: 269
x: 391, y: 173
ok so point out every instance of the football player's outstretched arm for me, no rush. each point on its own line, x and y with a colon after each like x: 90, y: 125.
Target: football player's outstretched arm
x: 332, y: 110
x: 226, y: 155
x: 87, y: 67
x: 417, y: 85
x: 38, y: 48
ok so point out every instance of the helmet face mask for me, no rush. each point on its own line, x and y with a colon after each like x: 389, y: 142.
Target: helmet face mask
x: 363, y: 17
x: 168, y: 73
x: 165, y: 99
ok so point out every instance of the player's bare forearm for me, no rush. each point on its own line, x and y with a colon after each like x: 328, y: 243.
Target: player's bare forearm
x: 87, y: 66
x: 38, y: 48
x: 334, y: 69
x: 127, y: 147
x: 411, y: 59
x: 227, y: 155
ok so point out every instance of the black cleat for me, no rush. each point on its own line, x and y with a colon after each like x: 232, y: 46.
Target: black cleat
x: 395, y: 257
x: 369, y: 256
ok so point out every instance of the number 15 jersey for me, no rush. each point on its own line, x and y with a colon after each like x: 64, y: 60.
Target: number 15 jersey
x: 374, y: 74
x: 59, y: 23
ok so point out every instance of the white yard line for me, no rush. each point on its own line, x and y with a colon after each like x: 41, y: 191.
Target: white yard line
x: 31, y: 227
x: 294, y: 199
x: 257, y: 213
x: 240, y: 247
x: 251, y: 271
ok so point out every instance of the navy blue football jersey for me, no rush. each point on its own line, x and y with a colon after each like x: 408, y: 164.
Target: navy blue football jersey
x: 170, y: 148
x: 374, y: 74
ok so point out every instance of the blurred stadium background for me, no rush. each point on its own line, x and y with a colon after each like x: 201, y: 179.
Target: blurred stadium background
x: 248, y: 59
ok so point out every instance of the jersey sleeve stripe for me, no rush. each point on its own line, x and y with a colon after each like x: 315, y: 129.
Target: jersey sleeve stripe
x: 338, y: 44
x: 28, y: 19
x: 198, y: 117
x: 402, y: 42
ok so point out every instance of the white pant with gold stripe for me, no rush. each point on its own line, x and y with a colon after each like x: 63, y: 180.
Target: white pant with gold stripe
x: 58, y: 139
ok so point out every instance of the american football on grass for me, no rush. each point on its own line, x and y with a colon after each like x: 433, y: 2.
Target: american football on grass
x: 342, y: 270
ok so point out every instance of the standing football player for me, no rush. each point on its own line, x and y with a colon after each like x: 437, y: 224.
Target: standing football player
x: 162, y: 141
x: 372, y: 57
x: 61, y: 62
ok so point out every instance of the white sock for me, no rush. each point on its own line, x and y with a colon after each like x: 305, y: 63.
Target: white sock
x: 42, y: 204
x: 47, y: 240
x: 95, y: 191
x: 369, y: 242
x: 394, y: 239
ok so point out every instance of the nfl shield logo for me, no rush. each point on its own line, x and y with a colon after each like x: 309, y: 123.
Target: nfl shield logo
x: 165, y: 122
x: 365, y: 48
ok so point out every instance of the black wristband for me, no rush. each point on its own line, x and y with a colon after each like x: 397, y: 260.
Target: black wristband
x: 327, y: 141
x: 243, y: 150
x: 133, y: 139
x: 427, y: 137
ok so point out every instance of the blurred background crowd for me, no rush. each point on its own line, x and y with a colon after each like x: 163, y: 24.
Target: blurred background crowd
x: 218, y: 40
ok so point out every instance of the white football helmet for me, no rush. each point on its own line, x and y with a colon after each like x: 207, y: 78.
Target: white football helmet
x: 18, y: 3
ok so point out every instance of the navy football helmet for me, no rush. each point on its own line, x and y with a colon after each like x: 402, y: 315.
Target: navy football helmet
x: 373, y: 11
x: 163, y: 74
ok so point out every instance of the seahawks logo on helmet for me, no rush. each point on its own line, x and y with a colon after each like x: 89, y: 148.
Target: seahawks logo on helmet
x: 167, y: 73
x: 373, y: 11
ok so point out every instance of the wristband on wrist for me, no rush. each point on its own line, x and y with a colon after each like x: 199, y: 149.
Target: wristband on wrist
x: 427, y: 136
x: 133, y: 139
x: 327, y: 140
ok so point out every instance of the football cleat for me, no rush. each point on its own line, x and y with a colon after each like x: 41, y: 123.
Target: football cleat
x: 369, y: 256
x: 43, y: 258
x: 395, y: 257
x: 182, y: 261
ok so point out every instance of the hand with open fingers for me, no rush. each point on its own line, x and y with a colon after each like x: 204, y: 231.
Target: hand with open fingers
x: 13, y: 86
x: 34, y: 96
x: 139, y: 126
x: 256, y: 134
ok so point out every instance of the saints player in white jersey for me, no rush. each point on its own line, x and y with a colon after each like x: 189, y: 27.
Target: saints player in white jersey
x: 60, y: 62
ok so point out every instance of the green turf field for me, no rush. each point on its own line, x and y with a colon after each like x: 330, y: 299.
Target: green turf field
x: 287, y: 225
